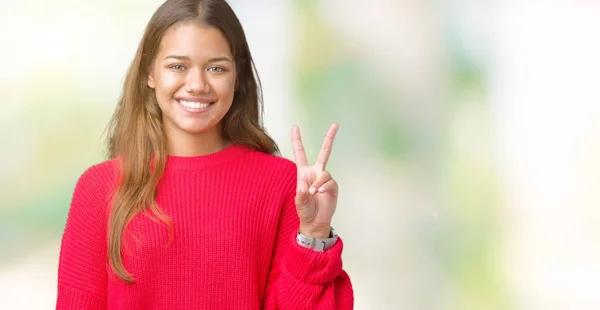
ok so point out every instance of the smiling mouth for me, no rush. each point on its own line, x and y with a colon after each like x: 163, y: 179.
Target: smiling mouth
x: 194, y: 104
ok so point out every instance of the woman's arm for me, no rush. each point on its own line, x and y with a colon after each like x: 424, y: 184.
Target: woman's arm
x: 301, y: 278
x: 82, y: 271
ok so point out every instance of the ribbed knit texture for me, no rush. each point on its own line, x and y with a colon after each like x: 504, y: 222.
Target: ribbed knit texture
x: 234, y: 243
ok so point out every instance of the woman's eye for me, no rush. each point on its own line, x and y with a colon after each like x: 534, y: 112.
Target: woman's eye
x: 216, y: 69
x: 177, y: 67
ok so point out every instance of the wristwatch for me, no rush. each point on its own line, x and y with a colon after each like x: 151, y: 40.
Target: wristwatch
x: 316, y: 244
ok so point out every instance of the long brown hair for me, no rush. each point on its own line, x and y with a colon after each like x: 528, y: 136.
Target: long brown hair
x: 135, y: 135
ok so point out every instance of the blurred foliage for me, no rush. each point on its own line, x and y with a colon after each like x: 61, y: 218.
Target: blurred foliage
x: 332, y: 82
x: 473, y: 255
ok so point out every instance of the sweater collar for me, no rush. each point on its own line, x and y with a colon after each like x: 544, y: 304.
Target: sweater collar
x: 225, y: 155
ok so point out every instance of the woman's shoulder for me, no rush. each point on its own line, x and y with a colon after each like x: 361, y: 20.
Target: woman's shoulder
x: 272, y: 162
x: 276, y: 170
x: 100, y: 177
x: 93, y: 191
x: 103, y: 171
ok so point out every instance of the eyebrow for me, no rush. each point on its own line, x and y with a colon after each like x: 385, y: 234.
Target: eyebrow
x: 214, y: 59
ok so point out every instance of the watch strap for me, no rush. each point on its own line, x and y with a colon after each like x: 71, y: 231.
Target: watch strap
x: 317, y: 244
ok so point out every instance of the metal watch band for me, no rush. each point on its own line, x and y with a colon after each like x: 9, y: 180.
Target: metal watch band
x: 316, y: 243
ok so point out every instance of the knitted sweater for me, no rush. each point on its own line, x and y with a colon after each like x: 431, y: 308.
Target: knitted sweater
x: 233, y: 247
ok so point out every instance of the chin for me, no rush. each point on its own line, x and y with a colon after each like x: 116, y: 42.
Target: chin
x: 196, y: 130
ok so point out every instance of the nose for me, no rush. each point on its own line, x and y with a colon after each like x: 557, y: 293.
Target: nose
x: 196, y: 82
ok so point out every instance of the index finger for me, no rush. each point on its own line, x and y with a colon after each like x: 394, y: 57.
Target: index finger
x: 299, y: 154
x: 326, y: 147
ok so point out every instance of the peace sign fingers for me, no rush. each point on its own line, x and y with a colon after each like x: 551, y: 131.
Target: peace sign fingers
x: 316, y: 190
x: 323, y: 157
x: 326, y: 147
x: 299, y: 154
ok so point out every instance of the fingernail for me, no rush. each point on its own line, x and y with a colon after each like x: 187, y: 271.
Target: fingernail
x: 321, y: 189
x: 312, y: 190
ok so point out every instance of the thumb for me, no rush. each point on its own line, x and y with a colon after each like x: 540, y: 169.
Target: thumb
x: 302, y: 194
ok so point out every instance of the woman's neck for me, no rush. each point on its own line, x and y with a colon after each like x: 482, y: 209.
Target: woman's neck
x: 196, y: 144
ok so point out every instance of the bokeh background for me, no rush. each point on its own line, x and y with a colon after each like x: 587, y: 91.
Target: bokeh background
x: 468, y: 154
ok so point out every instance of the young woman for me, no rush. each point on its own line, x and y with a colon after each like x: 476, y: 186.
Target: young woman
x: 194, y: 210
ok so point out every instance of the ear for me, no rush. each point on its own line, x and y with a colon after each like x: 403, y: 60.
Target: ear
x: 151, y: 82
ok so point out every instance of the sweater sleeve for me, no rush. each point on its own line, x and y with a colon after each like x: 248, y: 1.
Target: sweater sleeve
x: 301, y: 278
x: 82, y: 270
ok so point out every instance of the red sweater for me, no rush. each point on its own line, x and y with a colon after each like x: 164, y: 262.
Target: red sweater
x: 234, y: 245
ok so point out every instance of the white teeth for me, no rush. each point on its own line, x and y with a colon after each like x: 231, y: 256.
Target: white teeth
x: 194, y: 105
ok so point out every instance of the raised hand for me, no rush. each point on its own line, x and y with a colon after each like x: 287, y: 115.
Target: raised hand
x: 317, y: 191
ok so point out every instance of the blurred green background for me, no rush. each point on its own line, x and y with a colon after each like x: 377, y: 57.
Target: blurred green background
x: 468, y: 155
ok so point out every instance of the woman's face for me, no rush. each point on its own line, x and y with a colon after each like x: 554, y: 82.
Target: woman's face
x: 194, y: 78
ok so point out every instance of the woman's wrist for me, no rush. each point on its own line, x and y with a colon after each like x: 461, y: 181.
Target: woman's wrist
x: 319, y: 232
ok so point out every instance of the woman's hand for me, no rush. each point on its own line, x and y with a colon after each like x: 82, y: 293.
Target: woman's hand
x: 317, y: 191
